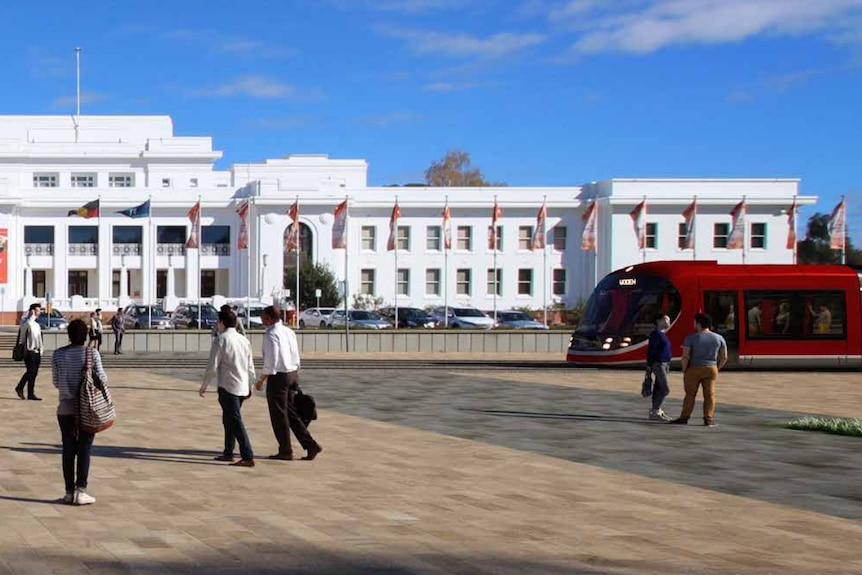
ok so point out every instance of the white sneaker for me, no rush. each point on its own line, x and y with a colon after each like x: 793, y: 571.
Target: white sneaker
x: 69, y: 498
x: 83, y: 498
x: 658, y: 415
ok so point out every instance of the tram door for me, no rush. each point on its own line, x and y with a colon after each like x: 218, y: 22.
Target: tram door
x: 721, y: 306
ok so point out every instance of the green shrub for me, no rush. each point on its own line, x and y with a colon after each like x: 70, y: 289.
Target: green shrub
x: 837, y: 425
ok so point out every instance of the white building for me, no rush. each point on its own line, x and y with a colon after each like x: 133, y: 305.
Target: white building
x: 50, y: 165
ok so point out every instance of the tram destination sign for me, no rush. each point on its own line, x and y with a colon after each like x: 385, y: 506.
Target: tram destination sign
x: 628, y: 281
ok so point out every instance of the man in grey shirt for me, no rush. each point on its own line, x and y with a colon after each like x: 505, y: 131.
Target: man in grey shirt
x: 703, y: 354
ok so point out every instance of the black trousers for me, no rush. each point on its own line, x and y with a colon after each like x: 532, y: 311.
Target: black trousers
x: 32, y: 361
x: 118, y: 341
x: 234, y: 429
x: 280, y: 391
x: 77, y: 445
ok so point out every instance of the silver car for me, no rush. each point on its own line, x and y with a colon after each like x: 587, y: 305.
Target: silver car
x: 316, y: 317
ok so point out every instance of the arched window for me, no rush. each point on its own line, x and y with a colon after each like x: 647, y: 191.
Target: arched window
x: 305, y: 247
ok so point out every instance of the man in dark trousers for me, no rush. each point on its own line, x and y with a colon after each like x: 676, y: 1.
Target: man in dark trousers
x: 658, y: 360
x: 118, y: 326
x: 30, y: 334
x: 281, y: 375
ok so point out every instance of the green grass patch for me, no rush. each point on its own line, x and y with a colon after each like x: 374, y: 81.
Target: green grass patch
x: 837, y: 425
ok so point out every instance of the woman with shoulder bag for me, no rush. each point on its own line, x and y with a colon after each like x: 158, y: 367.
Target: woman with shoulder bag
x: 67, y: 365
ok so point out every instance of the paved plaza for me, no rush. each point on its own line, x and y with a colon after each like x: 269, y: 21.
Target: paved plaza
x: 436, y: 471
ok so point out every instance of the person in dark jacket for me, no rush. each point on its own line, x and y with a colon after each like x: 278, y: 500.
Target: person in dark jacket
x: 658, y: 361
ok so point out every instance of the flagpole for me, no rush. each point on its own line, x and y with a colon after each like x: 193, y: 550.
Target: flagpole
x: 843, y: 231
x: 395, y: 231
x: 447, y: 224
x: 296, y: 236
x: 198, y: 225
x: 596, y: 248
x: 248, y: 219
x: 346, y: 272
x: 544, y: 261
x: 152, y: 271
x: 692, y: 232
x: 794, y: 231
x: 744, y: 228
x: 494, y: 247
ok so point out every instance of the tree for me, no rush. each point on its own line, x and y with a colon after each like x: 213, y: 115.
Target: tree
x: 313, y: 277
x: 455, y: 170
x: 814, y: 249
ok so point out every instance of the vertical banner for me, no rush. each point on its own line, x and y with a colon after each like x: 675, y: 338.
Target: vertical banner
x: 736, y: 239
x: 339, y: 238
x: 496, y: 215
x: 638, y: 216
x: 688, y: 215
x: 242, y: 238
x: 588, y: 239
x: 393, y: 227
x: 194, y: 216
x: 791, y: 227
x: 837, y: 227
x: 538, y: 242
x: 292, y: 243
x: 4, y: 253
x: 447, y: 227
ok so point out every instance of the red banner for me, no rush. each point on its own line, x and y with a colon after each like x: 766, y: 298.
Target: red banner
x: 194, y: 216
x: 393, y: 228
x: 339, y: 227
x: 538, y: 242
x: 242, y: 239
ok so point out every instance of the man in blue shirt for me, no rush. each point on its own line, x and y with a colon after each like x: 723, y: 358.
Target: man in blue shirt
x: 658, y: 360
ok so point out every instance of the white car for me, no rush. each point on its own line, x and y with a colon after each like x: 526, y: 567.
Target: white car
x: 464, y: 317
x: 316, y: 317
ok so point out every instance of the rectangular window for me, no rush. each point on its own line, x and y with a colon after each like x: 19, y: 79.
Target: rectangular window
x: 208, y: 283
x: 127, y: 234
x: 38, y: 234
x: 403, y: 238
x: 83, y: 234
x: 758, y: 236
x: 369, y: 238
x: 560, y: 233
x: 432, y: 282
x: 166, y: 182
x: 45, y: 180
x: 366, y: 282
x: 499, y: 243
x: 161, y: 283
x: 463, y: 281
x: 40, y: 283
x: 403, y: 281
x: 525, y: 282
x: 434, y: 238
x: 215, y: 234
x: 115, y: 282
x: 78, y: 283
x: 796, y: 314
x: 193, y: 183
x: 465, y: 238
x: 171, y: 234
x: 121, y: 180
x: 495, y: 281
x: 559, y: 287
x: 720, y: 233
x: 83, y: 180
x: 681, y: 235
x: 525, y: 237
x: 651, y: 239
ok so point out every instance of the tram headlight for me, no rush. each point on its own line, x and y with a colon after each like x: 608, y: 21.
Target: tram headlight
x: 624, y: 344
x: 609, y: 340
x: 606, y: 346
x: 627, y: 340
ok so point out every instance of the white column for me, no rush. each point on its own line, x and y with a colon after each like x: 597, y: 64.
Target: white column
x: 124, y: 282
x: 28, y: 282
x: 171, y: 287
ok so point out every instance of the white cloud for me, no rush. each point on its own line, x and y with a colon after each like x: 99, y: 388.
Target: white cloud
x: 644, y: 26
x: 460, y: 45
x: 70, y: 102
x: 251, y: 86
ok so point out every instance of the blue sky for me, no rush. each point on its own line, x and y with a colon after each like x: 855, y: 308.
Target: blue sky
x: 539, y: 92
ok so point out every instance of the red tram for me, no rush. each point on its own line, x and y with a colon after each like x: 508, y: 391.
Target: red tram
x: 771, y: 315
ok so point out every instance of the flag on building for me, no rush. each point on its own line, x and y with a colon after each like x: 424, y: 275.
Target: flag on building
x: 638, y: 216
x: 242, y: 238
x: 538, y: 242
x: 393, y: 227
x: 447, y: 228
x: 88, y: 210
x: 292, y: 243
x: 736, y: 239
x: 194, y: 216
x: 142, y: 211
x: 588, y: 239
x: 837, y: 227
x: 339, y: 226
x: 791, y: 226
x: 496, y: 216
x: 688, y: 215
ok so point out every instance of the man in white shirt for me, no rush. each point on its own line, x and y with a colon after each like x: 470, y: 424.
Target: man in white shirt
x: 230, y: 363
x: 30, y: 334
x: 281, y: 374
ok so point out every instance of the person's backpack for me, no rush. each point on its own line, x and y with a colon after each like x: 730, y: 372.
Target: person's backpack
x: 20, y: 348
x: 306, y: 407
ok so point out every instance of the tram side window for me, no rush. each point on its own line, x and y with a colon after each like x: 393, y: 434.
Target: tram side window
x: 794, y: 314
x: 720, y: 306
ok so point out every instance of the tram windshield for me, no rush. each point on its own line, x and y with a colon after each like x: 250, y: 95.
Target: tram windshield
x: 623, y: 309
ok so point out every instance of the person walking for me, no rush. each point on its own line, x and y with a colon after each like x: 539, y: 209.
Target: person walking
x: 96, y: 329
x: 704, y: 353
x: 658, y: 360
x: 230, y: 364
x: 67, y: 365
x: 30, y: 334
x: 281, y: 375
x: 118, y: 326
x: 239, y: 328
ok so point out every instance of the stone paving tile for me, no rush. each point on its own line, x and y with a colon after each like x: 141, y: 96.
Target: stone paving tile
x: 394, y: 494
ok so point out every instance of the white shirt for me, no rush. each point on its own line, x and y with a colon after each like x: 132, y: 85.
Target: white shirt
x: 280, y: 350
x: 31, y: 334
x: 231, y: 363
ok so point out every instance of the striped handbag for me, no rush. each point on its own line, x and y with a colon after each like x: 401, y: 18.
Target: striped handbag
x: 95, y: 407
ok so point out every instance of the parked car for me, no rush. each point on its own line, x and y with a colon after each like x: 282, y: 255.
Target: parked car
x: 316, y: 317
x: 518, y: 320
x: 49, y: 322
x: 409, y: 317
x: 359, y: 319
x: 145, y: 317
x: 465, y: 317
x: 188, y: 316
x: 250, y: 315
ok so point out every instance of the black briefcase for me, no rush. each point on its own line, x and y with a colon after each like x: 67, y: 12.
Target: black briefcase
x: 305, y: 406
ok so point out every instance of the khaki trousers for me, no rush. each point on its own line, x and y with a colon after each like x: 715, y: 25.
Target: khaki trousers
x: 695, y: 377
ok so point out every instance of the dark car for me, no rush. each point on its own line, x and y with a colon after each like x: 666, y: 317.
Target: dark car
x: 192, y: 316
x: 50, y: 322
x: 146, y: 317
x: 409, y: 317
